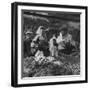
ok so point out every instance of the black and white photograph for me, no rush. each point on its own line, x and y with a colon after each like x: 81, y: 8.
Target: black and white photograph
x: 50, y: 44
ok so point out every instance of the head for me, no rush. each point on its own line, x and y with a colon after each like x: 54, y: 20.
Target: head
x: 27, y: 36
x: 62, y: 32
x: 41, y: 27
x: 39, y: 30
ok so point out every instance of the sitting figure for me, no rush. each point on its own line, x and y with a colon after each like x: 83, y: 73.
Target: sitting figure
x: 39, y: 56
x: 34, y: 47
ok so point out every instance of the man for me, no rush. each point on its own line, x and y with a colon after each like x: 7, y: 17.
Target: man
x: 26, y: 44
x: 68, y: 38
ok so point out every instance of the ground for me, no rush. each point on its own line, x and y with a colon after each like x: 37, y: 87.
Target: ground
x: 62, y: 65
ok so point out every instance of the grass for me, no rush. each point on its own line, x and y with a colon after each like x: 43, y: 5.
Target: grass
x: 62, y: 65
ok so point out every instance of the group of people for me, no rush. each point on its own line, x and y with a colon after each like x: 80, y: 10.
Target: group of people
x: 40, y: 47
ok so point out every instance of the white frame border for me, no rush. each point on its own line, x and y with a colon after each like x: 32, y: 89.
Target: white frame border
x: 82, y: 52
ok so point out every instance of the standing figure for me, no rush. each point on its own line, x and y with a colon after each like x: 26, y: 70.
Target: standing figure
x: 38, y: 39
x: 60, y: 41
x: 39, y: 34
x: 26, y: 44
x: 53, y: 47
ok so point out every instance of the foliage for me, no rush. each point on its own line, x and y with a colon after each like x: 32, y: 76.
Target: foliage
x: 63, y: 65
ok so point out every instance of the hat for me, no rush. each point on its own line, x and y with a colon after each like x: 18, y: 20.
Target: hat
x: 28, y: 32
